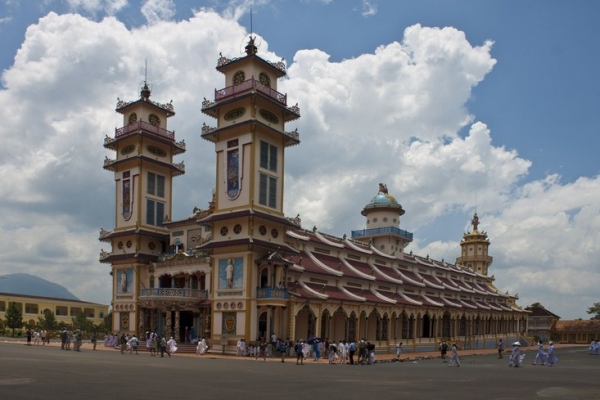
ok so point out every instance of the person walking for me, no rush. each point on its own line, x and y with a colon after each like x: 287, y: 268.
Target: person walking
x: 515, y: 356
x: 133, y: 345
x: 299, y: 352
x: 94, y: 340
x: 163, y: 347
x: 262, y: 350
x: 540, y: 354
x: 398, y: 350
x: 351, y: 351
x: 500, y: 348
x: 123, y: 343
x: 551, y: 358
x: 454, y: 356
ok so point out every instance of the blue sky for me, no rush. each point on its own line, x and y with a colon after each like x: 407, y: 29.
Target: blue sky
x: 495, y: 111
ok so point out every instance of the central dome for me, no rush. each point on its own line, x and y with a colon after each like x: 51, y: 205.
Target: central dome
x: 383, y: 201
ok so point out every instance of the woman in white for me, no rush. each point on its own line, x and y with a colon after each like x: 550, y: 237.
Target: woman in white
x: 540, y: 354
x: 201, y: 348
x: 398, y: 350
x: 343, y: 351
x: 550, y: 357
x: 172, y: 345
x: 516, y: 357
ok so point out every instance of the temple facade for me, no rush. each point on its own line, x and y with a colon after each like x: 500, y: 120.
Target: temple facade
x: 241, y: 269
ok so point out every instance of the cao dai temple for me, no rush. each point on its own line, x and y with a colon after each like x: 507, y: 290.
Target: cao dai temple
x: 242, y: 269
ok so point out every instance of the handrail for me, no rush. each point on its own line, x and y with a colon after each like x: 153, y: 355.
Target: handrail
x: 174, y: 292
x: 157, y: 130
x: 382, y: 231
x: 248, y: 85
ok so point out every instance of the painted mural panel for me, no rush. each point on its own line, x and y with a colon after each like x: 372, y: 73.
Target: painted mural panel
x: 231, y: 273
x: 125, y: 281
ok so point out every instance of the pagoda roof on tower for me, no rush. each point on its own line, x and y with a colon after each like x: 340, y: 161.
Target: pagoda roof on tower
x: 225, y: 64
x: 228, y: 215
x: 123, y: 106
x: 247, y: 242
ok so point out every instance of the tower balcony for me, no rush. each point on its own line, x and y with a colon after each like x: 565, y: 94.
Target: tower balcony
x: 475, y: 259
x: 174, y: 293
x: 113, y: 165
x: 271, y: 297
x: 249, y: 85
x: 140, y: 127
x: 384, y: 231
x: 211, y: 133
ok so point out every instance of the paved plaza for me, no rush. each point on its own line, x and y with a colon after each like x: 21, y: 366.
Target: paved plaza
x: 46, y: 372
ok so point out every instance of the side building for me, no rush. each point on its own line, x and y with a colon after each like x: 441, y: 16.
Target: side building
x: 64, y: 310
x: 242, y: 269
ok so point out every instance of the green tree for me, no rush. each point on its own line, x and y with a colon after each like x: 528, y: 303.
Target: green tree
x: 595, y: 309
x: 48, y: 321
x: 107, y: 323
x: 14, y: 318
x: 82, y: 323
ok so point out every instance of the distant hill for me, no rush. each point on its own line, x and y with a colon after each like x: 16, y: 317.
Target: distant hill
x: 29, y: 285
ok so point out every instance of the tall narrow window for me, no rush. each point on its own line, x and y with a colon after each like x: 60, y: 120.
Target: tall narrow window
x: 155, y: 212
x: 156, y: 184
x: 267, y: 191
x: 268, y: 156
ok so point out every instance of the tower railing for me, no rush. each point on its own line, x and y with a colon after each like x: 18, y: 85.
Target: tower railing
x: 250, y: 84
x: 146, y: 126
x: 271, y: 293
x: 382, y: 231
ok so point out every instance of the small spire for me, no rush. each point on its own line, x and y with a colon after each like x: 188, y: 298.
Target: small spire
x: 145, y: 92
x: 251, y: 48
x: 475, y: 222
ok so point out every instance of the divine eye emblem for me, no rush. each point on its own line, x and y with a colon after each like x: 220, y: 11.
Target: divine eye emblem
x: 154, y: 120
x: 157, y: 151
x: 234, y: 114
x: 239, y: 77
x: 268, y: 115
x: 264, y: 79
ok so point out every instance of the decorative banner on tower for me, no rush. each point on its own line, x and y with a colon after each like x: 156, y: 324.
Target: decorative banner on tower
x: 127, y: 199
x: 234, y: 182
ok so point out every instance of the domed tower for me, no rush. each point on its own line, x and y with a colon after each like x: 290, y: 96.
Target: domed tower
x: 383, y: 224
x: 475, y: 247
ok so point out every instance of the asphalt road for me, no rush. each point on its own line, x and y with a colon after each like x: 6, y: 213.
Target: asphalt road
x: 42, y: 372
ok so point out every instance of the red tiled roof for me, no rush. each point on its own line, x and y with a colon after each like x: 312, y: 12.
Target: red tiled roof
x: 431, y: 281
x: 410, y: 278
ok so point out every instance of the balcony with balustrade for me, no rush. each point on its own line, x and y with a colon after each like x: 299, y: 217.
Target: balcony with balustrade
x: 272, y: 297
x: 384, y: 231
x: 247, y: 87
x: 183, y: 294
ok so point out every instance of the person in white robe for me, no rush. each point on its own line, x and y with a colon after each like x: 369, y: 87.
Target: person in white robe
x: 342, y: 351
x: 540, y: 354
x: 551, y: 358
x: 515, y: 357
x: 398, y: 350
x: 172, y: 345
x: 592, y: 347
x: 201, y: 348
x: 454, y: 357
